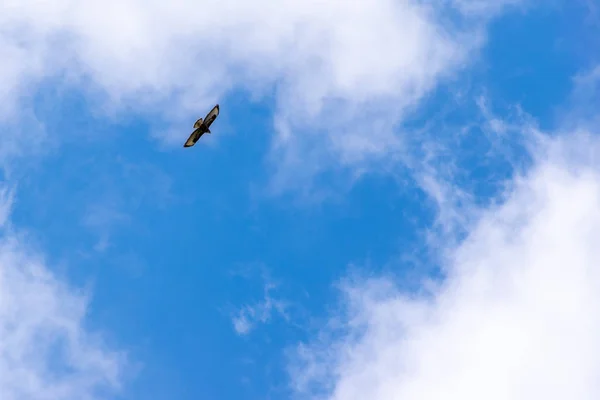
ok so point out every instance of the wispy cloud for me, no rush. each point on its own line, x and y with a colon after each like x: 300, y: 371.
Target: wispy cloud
x: 260, y: 312
x: 516, y: 316
x: 461, y: 166
x: 248, y: 316
x: 120, y: 188
x: 487, y: 8
x: 6, y: 203
x: 102, y: 218
x: 593, y: 11
x: 46, y: 349
x: 580, y: 111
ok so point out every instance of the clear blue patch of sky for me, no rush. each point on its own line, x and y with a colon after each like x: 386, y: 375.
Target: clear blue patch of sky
x: 531, y: 57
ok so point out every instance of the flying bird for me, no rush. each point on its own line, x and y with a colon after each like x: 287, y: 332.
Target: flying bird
x: 202, y: 126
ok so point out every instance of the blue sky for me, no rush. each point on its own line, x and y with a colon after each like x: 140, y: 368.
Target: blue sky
x: 372, y: 199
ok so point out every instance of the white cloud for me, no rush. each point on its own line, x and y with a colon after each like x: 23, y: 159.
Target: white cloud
x: 344, y: 75
x: 517, y: 317
x: 249, y: 315
x: 581, y: 108
x: 46, y: 350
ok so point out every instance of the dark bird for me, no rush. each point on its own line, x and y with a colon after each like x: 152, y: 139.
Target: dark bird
x: 202, y: 126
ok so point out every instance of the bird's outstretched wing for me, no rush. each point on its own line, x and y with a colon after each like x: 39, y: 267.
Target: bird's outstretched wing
x: 194, y: 136
x: 211, y: 116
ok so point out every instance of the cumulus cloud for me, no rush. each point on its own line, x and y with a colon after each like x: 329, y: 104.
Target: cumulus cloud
x: 343, y: 75
x: 46, y: 350
x: 516, y: 317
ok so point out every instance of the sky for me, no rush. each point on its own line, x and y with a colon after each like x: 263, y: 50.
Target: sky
x: 399, y: 200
